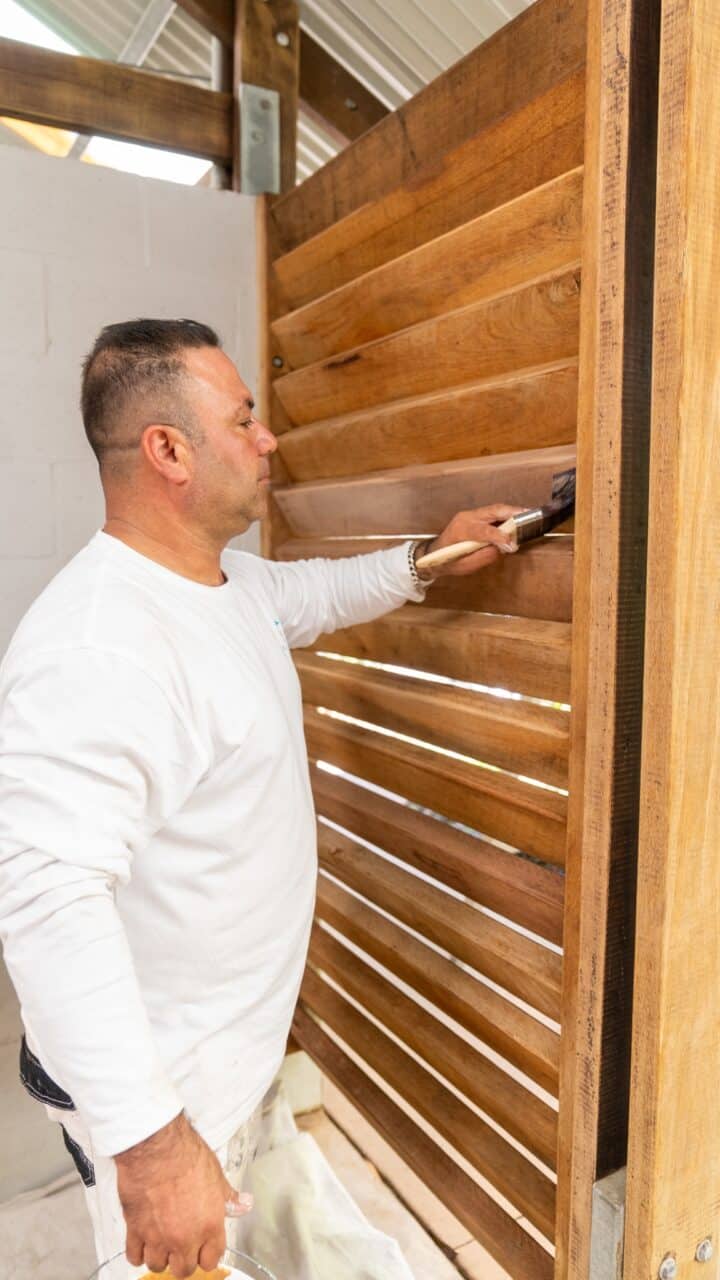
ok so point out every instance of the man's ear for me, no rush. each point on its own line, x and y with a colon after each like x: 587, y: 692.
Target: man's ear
x: 168, y: 451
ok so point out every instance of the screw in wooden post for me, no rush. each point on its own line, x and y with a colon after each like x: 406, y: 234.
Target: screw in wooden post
x: 704, y: 1251
x: 668, y: 1268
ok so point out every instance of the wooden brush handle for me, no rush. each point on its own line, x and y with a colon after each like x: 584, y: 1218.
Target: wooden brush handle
x: 456, y: 550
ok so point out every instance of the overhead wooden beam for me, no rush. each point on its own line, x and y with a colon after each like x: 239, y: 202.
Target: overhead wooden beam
x: 87, y: 95
x: 267, y: 54
x: 328, y: 90
x: 217, y: 16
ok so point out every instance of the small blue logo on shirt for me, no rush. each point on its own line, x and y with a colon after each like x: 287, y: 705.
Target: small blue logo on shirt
x: 277, y: 624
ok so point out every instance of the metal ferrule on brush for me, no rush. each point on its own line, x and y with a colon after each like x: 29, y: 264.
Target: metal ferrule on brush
x: 530, y: 524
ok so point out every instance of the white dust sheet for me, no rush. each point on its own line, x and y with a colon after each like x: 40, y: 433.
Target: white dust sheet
x: 305, y: 1225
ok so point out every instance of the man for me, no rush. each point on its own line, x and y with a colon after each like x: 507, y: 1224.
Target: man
x: 157, y: 835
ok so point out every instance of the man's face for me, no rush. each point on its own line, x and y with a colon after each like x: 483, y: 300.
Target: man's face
x: 231, y: 468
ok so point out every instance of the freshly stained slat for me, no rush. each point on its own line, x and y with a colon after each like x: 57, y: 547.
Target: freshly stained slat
x: 486, y: 1013
x: 511, y: 156
x: 414, y: 499
x: 522, y: 60
x: 535, y: 582
x: 521, y: 1182
x: 521, y: 1113
x: 519, y: 964
x: 501, y: 1235
x: 530, y: 325
x: 520, y: 814
x: 518, y: 736
x: 528, y: 238
x: 524, y: 655
x: 531, y: 409
x: 511, y: 885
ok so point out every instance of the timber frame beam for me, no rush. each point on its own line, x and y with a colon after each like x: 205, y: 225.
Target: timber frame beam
x: 327, y: 89
x: 87, y: 95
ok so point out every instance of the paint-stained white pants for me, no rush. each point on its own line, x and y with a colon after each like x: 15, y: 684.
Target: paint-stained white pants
x: 103, y: 1201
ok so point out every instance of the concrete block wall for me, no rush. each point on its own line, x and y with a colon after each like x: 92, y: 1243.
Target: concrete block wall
x: 81, y: 247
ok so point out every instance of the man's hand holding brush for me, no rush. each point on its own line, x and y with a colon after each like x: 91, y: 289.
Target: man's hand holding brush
x: 481, y: 525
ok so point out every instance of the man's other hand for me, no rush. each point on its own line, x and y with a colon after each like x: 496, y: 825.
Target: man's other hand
x: 175, y: 1198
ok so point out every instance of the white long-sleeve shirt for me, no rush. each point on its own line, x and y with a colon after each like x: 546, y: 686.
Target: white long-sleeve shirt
x: 157, y: 831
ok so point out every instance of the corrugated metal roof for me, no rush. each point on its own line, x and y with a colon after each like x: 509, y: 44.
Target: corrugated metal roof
x: 393, y: 47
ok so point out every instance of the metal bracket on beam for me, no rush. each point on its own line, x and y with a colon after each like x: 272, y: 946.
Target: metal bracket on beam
x: 608, y: 1227
x: 259, y: 140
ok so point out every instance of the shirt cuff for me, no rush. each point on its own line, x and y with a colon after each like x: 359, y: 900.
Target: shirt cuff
x: 398, y: 563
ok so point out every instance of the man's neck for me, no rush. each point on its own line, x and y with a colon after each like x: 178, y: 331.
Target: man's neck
x: 200, y: 563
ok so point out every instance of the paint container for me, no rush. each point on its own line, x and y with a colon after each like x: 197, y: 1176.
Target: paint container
x: 241, y: 1268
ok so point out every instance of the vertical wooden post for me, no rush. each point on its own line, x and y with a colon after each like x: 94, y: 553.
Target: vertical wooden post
x: 673, y: 1202
x: 613, y: 429
x: 267, y: 53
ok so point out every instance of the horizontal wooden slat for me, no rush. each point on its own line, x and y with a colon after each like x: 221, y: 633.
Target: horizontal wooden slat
x: 486, y: 1013
x: 514, y: 154
x: 521, y: 1182
x: 500, y: 1234
x: 532, y: 236
x: 511, y: 885
x: 535, y: 582
x: 522, y: 815
x: 530, y: 409
x: 523, y: 655
x: 418, y: 499
x: 521, y: 1113
x: 530, y: 325
x: 525, y: 58
x: 519, y: 736
x: 519, y: 964
x: 91, y: 96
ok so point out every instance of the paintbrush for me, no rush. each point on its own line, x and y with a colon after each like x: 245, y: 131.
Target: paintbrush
x: 521, y: 528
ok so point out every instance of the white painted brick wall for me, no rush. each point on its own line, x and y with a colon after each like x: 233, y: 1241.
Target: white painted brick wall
x: 81, y: 247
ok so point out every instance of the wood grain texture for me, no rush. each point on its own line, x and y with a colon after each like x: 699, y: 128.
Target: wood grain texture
x: 519, y: 736
x: 533, y: 408
x: 514, y: 154
x: 523, y: 655
x: 90, y: 96
x: 529, y: 325
x: 519, y: 1112
x: 511, y: 885
x: 525, y: 58
x: 521, y: 1182
x: 501, y: 1024
x: 504, y: 1238
x: 534, y: 582
x: 522, y: 815
x: 674, y: 1150
x: 416, y: 499
x: 522, y: 966
x: 534, y: 235
x: 613, y: 434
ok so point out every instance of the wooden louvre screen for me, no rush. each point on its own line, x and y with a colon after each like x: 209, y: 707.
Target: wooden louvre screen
x: 423, y: 338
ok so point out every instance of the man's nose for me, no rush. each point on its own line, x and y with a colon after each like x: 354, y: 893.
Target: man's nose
x: 266, y: 441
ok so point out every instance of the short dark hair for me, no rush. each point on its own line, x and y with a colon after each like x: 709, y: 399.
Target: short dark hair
x: 137, y: 358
